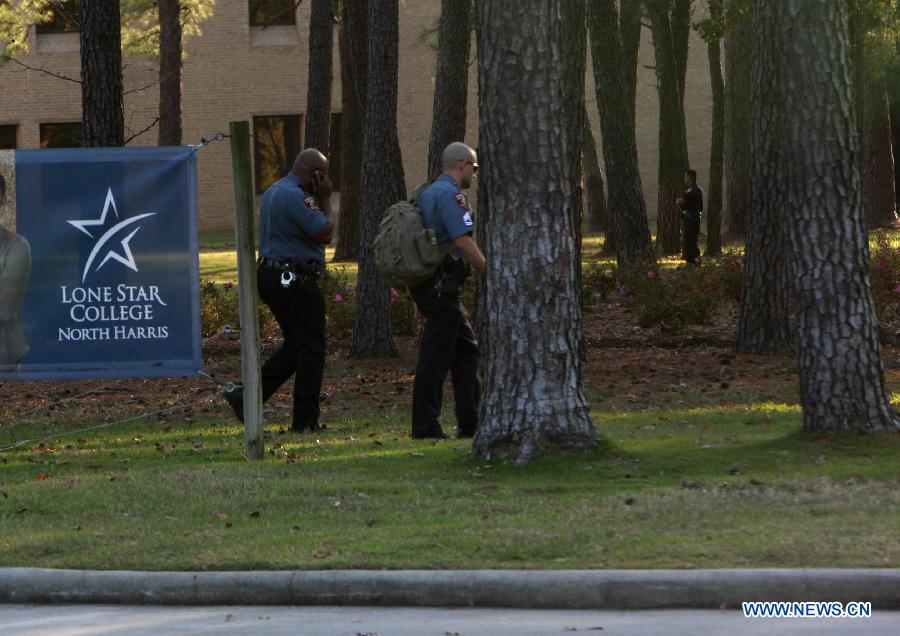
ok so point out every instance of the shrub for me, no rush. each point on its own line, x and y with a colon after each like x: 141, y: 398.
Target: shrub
x: 598, y: 281
x: 687, y: 295
x: 219, y: 306
x: 340, y: 306
x: 884, y: 266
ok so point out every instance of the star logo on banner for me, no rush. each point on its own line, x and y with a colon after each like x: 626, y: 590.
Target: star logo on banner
x: 117, y: 250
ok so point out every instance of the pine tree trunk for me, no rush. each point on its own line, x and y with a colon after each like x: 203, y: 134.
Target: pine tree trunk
x: 673, y: 155
x: 841, y: 374
x: 102, y: 105
x: 318, y: 88
x: 878, y: 155
x: 681, y: 32
x: 531, y: 66
x: 626, y: 195
x: 717, y: 146
x: 630, y: 13
x: 347, y: 248
x: 451, y: 84
x: 382, y: 179
x: 599, y: 217
x: 764, y: 326
x: 738, y: 40
x: 169, y: 72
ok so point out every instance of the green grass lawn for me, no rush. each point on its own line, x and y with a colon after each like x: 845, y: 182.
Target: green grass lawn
x: 705, y: 486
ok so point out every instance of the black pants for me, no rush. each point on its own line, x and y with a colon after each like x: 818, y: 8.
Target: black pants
x: 448, y: 344
x: 300, y: 312
x: 690, y: 232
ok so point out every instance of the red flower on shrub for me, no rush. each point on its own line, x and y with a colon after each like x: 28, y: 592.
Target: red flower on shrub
x: 879, y: 264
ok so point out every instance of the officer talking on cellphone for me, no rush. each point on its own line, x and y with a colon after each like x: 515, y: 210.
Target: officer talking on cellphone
x: 294, y: 227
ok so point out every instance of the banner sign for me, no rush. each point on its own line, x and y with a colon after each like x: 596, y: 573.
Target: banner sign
x: 99, y: 272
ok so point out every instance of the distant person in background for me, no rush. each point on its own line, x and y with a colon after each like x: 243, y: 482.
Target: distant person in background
x: 691, y: 204
x: 15, y: 267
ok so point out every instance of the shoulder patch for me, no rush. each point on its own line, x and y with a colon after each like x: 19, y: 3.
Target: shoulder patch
x: 461, y: 201
x: 311, y: 203
x: 467, y: 219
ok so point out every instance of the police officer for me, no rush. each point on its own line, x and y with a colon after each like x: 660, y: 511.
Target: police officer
x: 294, y: 227
x: 691, y: 204
x: 15, y: 268
x: 448, y: 341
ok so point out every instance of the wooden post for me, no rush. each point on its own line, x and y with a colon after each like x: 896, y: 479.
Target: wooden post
x: 254, y: 445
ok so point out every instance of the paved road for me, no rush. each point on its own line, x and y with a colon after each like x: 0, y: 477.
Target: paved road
x: 71, y: 620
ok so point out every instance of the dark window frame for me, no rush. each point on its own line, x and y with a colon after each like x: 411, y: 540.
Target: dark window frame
x: 46, y: 130
x: 268, y: 13
x: 268, y: 169
x: 5, y: 129
x: 61, y: 22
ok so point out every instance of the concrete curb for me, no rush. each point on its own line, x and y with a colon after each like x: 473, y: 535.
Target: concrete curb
x: 555, y: 589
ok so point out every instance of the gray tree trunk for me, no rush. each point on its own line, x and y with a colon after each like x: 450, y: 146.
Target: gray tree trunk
x: 531, y: 67
x: 169, y: 72
x: 764, y: 326
x: 630, y: 13
x: 717, y: 149
x: 625, y: 191
x: 102, y: 104
x: 673, y: 153
x: 878, y: 154
x: 382, y: 179
x: 738, y: 40
x: 451, y: 83
x: 841, y: 374
x: 681, y: 33
x: 353, y: 63
x: 599, y: 217
x: 318, y: 88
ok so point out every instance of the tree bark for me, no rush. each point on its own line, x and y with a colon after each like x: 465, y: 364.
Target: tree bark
x: 681, y: 33
x: 738, y: 40
x: 878, y: 154
x: 347, y: 248
x: 451, y: 82
x: 874, y: 124
x: 841, y: 374
x: 599, y: 217
x: 673, y: 154
x: 382, y: 179
x: 531, y: 67
x: 626, y: 194
x: 318, y: 88
x: 102, y: 105
x: 169, y: 72
x: 764, y: 325
x: 717, y: 146
x: 630, y: 13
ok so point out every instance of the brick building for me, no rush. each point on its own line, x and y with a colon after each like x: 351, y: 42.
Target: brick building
x: 238, y: 70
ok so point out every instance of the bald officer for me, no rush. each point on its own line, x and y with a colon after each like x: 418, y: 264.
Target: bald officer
x: 448, y: 341
x: 294, y: 227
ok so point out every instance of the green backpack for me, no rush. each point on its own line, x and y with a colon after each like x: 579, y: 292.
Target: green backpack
x: 406, y: 252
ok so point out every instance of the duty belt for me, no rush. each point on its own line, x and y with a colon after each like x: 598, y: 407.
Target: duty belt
x: 303, y: 272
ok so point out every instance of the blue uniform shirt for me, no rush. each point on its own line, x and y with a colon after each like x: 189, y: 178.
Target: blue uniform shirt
x: 445, y: 209
x: 289, y: 218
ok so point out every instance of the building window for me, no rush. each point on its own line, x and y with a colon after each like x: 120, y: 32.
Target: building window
x: 334, y: 150
x: 265, y: 13
x: 64, y: 19
x: 277, y: 140
x: 8, y: 137
x: 62, y: 135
